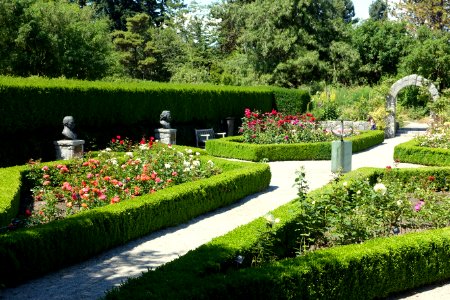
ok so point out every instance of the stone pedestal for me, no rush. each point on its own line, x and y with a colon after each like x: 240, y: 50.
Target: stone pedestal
x: 68, y: 149
x: 166, y: 136
x: 230, y: 125
x: 341, y: 156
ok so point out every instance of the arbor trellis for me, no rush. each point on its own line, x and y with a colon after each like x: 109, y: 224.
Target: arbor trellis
x: 391, y: 99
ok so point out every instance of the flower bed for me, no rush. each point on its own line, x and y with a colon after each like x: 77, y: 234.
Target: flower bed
x: 30, y: 252
x: 370, y: 269
x: 110, y: 177
x: 234, y: 147
x: 276, y: 137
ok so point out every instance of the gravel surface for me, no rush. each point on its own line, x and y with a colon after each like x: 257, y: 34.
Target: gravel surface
x: 90, y: 279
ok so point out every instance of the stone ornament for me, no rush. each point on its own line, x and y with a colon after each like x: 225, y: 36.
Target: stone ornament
x: 165, y: 119
x: 69, y: 125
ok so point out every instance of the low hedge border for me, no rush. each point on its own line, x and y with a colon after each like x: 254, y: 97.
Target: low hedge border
x: 233, y: 147
x: 10, y: 187
x: 30, y: 252
x: 370, y: 270
x: 411, y: 152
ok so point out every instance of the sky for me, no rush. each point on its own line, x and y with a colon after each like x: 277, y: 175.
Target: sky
x: 361, y: 6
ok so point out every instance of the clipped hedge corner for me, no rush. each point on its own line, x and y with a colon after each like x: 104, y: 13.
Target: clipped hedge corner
x: 411, y: 152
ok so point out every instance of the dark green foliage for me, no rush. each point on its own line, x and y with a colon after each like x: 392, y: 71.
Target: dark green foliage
x: 233, y: 147
x: 374, y: 269
x: 411, y: 152
x: 31, y: 252
x: 291, y: 101
x: 381, y: 45
x: 378, y: 10
x: 53, y: 38
x: 33, y: 109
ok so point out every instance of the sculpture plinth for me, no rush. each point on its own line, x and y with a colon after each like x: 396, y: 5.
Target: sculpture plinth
x: 166, y: 136
x: 68, y: 149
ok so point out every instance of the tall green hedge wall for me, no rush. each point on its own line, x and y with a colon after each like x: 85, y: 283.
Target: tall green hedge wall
x: 32, y: 109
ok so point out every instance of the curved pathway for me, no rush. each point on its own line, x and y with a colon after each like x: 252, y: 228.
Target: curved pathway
x: 90, y: 279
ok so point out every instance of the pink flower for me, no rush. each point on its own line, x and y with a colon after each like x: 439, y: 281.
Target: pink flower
x: 44, y: 168
x: 47, y: 182
x: 89, y: 175
x: 118, y: 137
x: 46, y: 176
x: 174, y: 173
x: 66, y: 186
x: 419, y: 205
x: 286, y: 137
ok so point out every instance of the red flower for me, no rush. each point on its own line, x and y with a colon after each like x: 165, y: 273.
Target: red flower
x: 431, y: 178
x: 142, y: 142
x: 118, y: 137
x: 121, y: 142
x: 113, y: 140
x: 115, y: 199
x: 27, y: 212
x: 388, y: 167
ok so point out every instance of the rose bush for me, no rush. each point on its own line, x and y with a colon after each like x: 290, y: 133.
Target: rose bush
x: 352, y: 212
x: 111, y: 177
x: 276, y: 128
x: 437, y: 136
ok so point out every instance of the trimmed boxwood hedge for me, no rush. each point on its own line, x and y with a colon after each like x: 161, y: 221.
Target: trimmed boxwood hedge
x: 233, y: 147
x: 10, y: 187
x: 411, y: 152
x: 30, y: 252
x: 370, y: 270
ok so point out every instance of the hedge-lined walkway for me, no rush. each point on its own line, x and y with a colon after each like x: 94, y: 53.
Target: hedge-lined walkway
x: 89, y: 280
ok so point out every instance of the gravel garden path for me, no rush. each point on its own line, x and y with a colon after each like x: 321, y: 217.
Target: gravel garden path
x: 90, y: 279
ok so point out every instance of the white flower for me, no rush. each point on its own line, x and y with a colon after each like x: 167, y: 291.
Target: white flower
x: 113, y: 161
x: 130, y: 154
x: 167, y: 166
x: 211, y: 163
x: 108, y: 149
x: 186, y: 164
x: 180, y: 153
x: 196, y: 163
x: 399, y: 202
x: 345, y: 183
x: 186, y: 169
x: 197, y: 153
x: 380, y: 188
x: 143, y: 147
x: 188, y: 151
x: 271, y: 219
x: 358, y: 192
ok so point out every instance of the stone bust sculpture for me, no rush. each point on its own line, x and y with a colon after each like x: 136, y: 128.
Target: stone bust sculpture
x: 69, y: 125
x: 165, y: 119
